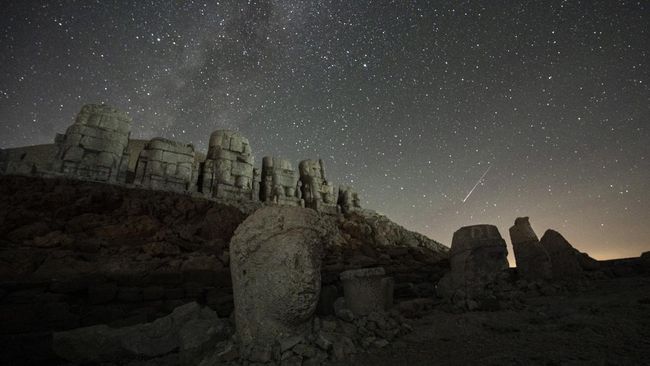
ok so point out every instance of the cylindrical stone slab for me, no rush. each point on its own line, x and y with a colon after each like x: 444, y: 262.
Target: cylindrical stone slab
x: 364, y: 290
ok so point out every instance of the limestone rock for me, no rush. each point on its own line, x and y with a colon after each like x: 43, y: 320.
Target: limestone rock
x: 533, y: 262
x: 478, y: 256
x: 317, y: 192
x: 275, y: 263
x: 94, y: 147
x: 165, y: 165
x: 279, y: 182
x: 227, y: 172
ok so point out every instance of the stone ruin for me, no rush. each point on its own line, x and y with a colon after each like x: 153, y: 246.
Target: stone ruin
x: 275, y: 266
x: 533, y: 262
x: 317, y: 192
x: 551, y: 258
x: 97, y: 147
x: 165, y: 165
x: 280, y: 183
x: 478, y: 257
x: 348, y: 199
x: 228, y: 168
x: 367, y: 290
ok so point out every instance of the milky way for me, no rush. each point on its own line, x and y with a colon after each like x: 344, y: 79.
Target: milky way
x: 409, y: 101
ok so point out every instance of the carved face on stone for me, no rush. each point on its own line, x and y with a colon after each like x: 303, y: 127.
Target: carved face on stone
x: 310, y: 168
x: 275, y: 266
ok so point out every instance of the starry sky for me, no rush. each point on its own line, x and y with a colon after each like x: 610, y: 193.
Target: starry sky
x: 409, y: 101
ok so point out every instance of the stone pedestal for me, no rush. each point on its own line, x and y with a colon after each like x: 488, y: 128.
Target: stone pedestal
x: 365, y: 290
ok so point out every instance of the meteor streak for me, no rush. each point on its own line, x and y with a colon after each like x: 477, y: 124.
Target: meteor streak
x: 477, y: 183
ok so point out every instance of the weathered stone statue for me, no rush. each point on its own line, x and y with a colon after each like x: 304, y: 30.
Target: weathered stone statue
x: 228, y: 169
x: 280, y: 182
x: 317, y: 192
x: 348, y: 199
x: 275, y: 263
x: 165, y: 165
x: 478, y: 256
x: 94, y: 147
x: 533, y: 262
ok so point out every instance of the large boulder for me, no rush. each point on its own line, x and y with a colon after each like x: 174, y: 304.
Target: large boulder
x: 478, y: 257
x: 275, y: 263
x: 533, y: 262
x: 188, y: 328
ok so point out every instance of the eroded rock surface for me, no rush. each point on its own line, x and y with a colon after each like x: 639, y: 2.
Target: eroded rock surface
x: 478, y: 257
x: 275, y: 262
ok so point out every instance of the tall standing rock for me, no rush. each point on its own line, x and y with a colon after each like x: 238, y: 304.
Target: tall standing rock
x: 533, y: 262
x: 275, y: 263
x: 478, y: 256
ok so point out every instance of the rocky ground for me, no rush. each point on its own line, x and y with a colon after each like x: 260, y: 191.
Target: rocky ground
x: 77, y: 254
x: 605, y: 322
x: 125, y: 264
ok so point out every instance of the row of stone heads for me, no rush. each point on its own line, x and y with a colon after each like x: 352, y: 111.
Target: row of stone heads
x: 98, y: 144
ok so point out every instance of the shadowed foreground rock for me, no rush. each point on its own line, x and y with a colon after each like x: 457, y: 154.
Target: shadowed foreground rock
x: 189, y: 328
x: 275, y: 266
x: 567, y: 262
x: 533, y: 262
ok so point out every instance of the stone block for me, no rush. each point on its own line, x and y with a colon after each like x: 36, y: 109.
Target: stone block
x: 364, y: 290
x: 106, y: 159
x: 236, y: 144
x: 243, y: 169
x: 74, y: 153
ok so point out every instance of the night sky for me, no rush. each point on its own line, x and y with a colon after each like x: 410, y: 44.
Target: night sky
x: 409, y: 101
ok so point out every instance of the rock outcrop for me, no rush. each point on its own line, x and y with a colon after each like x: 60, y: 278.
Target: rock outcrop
x: 275, y: 263
x: 533, y: 262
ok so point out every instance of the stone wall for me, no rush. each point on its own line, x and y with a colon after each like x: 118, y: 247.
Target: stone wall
x: 27, y: 160
x: 166, y: 165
